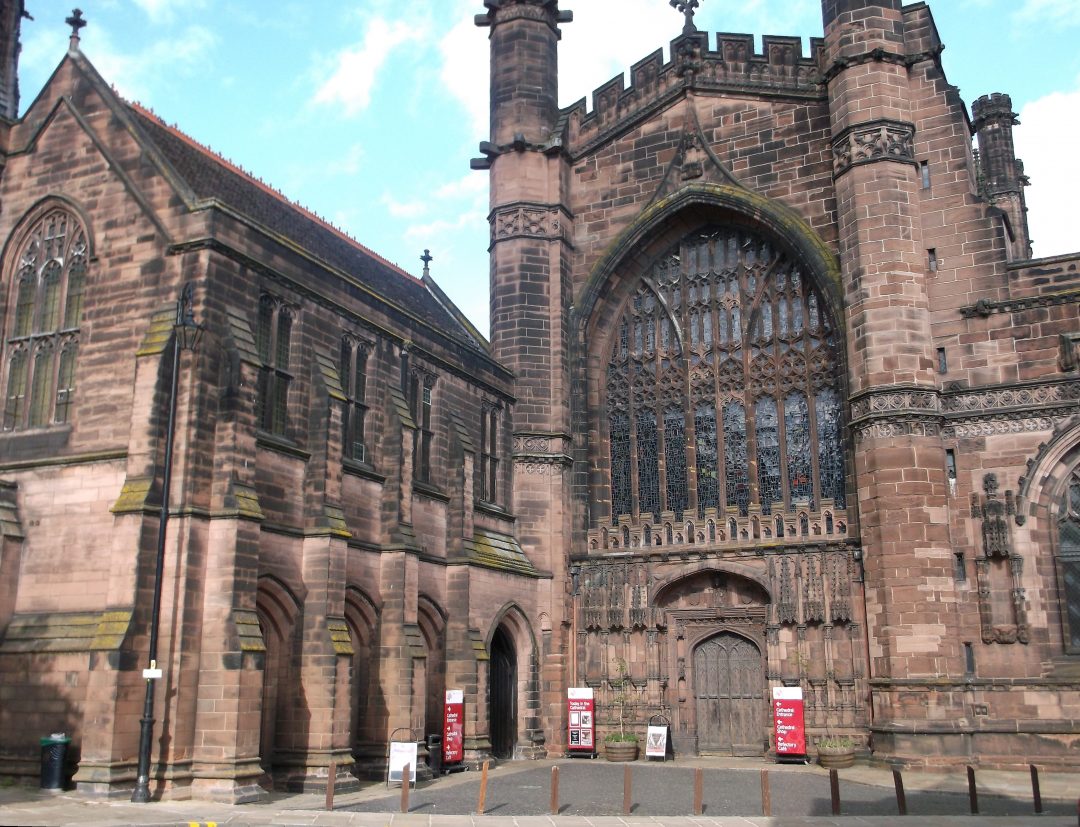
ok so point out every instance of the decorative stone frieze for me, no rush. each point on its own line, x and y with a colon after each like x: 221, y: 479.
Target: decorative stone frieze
x: 528, y: 221
x: 868, y: 143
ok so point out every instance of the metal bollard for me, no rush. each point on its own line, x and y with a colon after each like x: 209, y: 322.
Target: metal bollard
x: 554, y: 791
x: 901, y: 799
x: 331, y: 778
x: 766, y: 794
x: 1036, y: 792
x: 699, y: 791
x: 406, y: 774
x: 483, y: 789
x: 834, y: 791
x: 627, y: 787
x: 973, y: 793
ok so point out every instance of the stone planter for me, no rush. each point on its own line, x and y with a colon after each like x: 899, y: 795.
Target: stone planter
x: 621, y: 750
x: 836, y: 758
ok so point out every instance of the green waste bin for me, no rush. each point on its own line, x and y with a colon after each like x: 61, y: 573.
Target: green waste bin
x: 53, y: 758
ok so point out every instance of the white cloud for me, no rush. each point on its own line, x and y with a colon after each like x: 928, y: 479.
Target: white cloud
x: 1059, y: 12
x: 356, y: 69
x: 163, y: 11
x: 472, y: 184
x: 404, y: 209
x: 350, y: 163
x: 137, y: 74
x: 1044, y: 142
x: 464, y: 71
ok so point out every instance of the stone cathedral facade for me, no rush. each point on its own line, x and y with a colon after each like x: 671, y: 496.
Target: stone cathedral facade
x: 775, y: 395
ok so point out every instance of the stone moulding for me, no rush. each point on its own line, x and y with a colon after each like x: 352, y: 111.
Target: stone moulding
x: 965, y: 412
x: 984, y: 308
x: 868, y: 143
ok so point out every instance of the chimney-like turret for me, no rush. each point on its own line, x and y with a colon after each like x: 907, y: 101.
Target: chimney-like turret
x: 1002, y: 173
x: 11, y: 15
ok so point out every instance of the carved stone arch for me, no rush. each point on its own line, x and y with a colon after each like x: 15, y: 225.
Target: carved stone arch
x: 685, y: 250
x: 662, y: 591
x: 695, y: 206
x: 1049, y: 518
x: 432, y: 622
x: 40, y: 208
x: 513, y: 695
x: 278, y: 611
x: 367, y: 704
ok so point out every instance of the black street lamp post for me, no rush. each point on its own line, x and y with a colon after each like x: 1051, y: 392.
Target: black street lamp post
x: 186, y: 333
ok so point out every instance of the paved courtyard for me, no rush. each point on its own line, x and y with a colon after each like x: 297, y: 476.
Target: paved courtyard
x: 591, y: 793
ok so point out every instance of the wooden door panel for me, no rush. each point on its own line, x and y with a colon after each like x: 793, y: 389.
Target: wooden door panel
x: 729, y: 694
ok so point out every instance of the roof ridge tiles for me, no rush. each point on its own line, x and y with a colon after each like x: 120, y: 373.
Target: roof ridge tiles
x: 235, y: 168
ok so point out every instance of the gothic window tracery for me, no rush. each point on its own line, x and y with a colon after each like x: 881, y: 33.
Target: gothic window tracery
x: 43, y: 338
x: 1069, y: 561
x: 723, y: 389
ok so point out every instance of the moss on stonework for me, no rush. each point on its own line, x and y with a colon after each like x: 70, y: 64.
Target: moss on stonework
x: 66, y: 631
x: 133, y: 495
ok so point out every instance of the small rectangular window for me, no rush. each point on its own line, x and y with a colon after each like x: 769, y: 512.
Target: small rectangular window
x: 950, y: 470
x: 969, y: 659
x: 924, y: 174
x: 932, y: 260
x: 942, y: 361
x: 959, y: 567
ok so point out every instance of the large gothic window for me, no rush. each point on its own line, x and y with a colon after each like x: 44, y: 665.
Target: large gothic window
x: 723, y: 398
x: 43, y: 329
x: 1069, y: 562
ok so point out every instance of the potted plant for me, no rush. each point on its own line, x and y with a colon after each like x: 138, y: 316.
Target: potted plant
x: 620, y: 745
x: 836, y: 752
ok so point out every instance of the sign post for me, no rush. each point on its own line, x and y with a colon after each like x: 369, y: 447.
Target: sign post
x: 581, y: 721
x: 657, y: 740
x: 789, y: 726
x: 402, y: 757
x: 453, y: 744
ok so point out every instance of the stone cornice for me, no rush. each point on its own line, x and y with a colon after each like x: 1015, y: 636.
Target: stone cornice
x: 880, y: 56
x: 984, y: 308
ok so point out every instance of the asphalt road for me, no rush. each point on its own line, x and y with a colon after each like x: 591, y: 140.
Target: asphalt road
x: 595, y: 788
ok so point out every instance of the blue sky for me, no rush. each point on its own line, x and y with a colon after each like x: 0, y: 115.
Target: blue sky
x: 368, y: 111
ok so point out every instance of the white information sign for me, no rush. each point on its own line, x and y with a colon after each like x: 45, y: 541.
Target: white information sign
x: 402, y: 753
x: 656, y: 742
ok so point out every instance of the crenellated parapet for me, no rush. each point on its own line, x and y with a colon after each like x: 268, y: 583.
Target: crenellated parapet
x: 780, y: 69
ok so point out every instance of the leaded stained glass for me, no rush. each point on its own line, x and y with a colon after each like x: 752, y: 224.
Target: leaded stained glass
x: 1069, y: 561
x: 736, y: 461
x: 675, y: 460
x: 708, y: 482
x: 648, y: 467
x: 729, y: 327
x: 44, y: 330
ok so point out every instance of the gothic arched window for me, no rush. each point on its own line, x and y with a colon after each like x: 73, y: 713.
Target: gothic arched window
x: 1069, y: 562
x: 723, y: 391
x: 43, y: 329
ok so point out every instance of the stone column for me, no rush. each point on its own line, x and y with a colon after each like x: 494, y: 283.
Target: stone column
x: 531, y: 296
x: 899, y: 462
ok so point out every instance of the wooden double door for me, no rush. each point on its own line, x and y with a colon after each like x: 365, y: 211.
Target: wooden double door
x: 729, y: 695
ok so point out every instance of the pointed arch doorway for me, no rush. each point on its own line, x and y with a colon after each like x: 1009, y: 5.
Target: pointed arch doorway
x: 502, y: 695
x: 729, y: 695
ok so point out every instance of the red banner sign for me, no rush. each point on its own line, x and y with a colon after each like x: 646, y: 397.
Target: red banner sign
x: 788, y: 720
x: 453, y: 731
x: 581, y: 721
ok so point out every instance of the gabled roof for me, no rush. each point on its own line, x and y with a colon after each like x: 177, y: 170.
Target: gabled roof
x: 211, y: 177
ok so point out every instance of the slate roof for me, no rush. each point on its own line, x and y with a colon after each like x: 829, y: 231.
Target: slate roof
x: 209, y: 176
